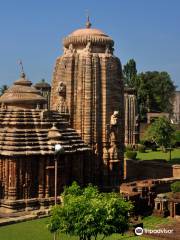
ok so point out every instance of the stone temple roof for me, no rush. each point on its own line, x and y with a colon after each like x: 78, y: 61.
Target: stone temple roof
x: 35, y: 132
x: 22, y: 92
x: 84, y: 35
x: 42, y: 85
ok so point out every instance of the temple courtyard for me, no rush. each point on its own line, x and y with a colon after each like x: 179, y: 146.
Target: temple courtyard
x: 151, y: 155
x: 37, y: 229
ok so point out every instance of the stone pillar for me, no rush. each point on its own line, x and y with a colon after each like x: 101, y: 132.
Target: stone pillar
x: 12, y: 190
x: 171, y: 209
x: 174, y: 209
x: 47, y: 187
x: 6, y: 178
x: 88, y: 101
x: 21, y: 178
x: 41, y: 178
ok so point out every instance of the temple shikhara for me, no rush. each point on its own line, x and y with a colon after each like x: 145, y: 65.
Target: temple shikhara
x: 87, y: 83
x: 85, y: 115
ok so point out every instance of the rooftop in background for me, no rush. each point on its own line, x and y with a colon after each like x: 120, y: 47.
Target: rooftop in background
x: 42, y: 84
x: 22, y: 95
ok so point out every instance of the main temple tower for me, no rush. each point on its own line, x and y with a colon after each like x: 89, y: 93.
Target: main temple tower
x: 87, y: 83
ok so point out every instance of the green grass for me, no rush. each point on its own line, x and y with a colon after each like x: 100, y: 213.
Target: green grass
x: 154, y: 222
x: 37, y: 230
x: 151, y: 155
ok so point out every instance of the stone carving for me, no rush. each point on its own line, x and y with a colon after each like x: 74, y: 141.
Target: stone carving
x: 114, y: 118
x: 62, y: 90
x: 114, y: 136
x: 70, y: 50
x: 62, y: 106
x: 108, y: 50
x: 65, y: 50
x: 88, y: 48
x: 114, y: 128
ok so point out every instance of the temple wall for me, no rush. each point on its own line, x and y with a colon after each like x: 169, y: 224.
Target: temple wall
x: 137, y: 170
x: 130, y: 105
x: 176, y: 171
x: 94, y: 90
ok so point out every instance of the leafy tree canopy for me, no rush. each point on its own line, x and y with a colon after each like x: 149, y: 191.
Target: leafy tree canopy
x: 87, y: 213
x: 161, y: 132
x: 155, y: 90
x: 175, y: 187
x: 3, y: 88
x: 130, y: 73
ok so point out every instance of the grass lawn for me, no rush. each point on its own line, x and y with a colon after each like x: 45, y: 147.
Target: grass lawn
x: 151, y: 155
x: 151, y: 222
x: 37, y: 230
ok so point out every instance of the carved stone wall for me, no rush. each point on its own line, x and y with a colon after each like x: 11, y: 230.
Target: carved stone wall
x: 136, y: 169
x: 94, y: 90
x: 131, y: 117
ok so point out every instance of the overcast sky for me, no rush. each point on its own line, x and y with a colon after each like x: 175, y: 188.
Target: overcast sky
x: 148, y: 31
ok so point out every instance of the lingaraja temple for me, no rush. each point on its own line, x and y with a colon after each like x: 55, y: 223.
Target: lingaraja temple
x: 86, y: 117
x: 88, y: 84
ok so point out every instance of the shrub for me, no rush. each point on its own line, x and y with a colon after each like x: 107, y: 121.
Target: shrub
x: 131, y: 155
x: 175, y: 187
x: 177, y: 138
x: 141, y: 148
x: 129, y: 147
x: 154, y: 147
x: 88, y: 213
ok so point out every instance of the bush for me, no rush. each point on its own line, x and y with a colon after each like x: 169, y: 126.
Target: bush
x: 129, y: 147
x: 177, y: 138
x: 141, y: 148
x: 175, y: 187
x: 131, y: 155
x: 88, y: 213
x: 154, y: 147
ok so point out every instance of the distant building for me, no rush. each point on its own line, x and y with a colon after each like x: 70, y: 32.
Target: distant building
x: 176, y: 108
x: 45, y: 89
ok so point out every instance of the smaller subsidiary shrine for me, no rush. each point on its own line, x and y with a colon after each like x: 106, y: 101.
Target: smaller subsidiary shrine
x: 28, y: 134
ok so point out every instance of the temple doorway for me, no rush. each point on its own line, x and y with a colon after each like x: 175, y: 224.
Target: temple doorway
x: 177, y: 209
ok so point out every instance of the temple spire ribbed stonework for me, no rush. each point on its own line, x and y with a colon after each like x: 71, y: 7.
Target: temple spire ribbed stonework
x: 87, y: 83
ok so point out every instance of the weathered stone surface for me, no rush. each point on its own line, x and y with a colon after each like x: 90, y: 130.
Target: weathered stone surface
x: 92, y: 76
x: 22, y: 95
x: 27, y: 138
x: 131, y: 117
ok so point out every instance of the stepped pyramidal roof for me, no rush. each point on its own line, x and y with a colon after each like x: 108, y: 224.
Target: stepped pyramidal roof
x: 22, y: 92
x: 26, y: 129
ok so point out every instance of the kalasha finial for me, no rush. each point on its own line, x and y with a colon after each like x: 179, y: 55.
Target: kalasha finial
x: 21, y: 69
x: 88, y: 23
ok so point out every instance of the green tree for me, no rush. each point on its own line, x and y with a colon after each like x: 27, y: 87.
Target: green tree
x: 155, y: 91
x: 161, y: 132
x: 3, y: 89
x: 130, y: 73
x: 175, y: 187
x: 87, y: 213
